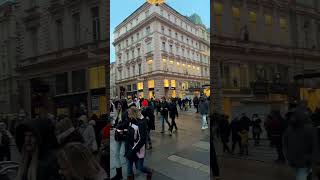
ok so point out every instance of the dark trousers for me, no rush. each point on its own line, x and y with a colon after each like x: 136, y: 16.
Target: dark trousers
x: 225, y: 145
x: 256, y: 137
x: 164, y: 119
x: 214, y: 161
x: 279, y: 149
x: 173, y: 123
x: 148, y: 137
x: 234, y: 143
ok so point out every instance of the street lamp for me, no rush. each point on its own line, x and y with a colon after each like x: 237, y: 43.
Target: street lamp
x: 156, y: 2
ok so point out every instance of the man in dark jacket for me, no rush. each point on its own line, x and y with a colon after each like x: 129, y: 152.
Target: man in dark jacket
x: 204, y: 110
x: 196, y: 103
x: 300, y: 144
x: 224, y: 130
x: 173, y: 113
x: 148, y: 114
x: 37, y: 139
x: 164, y: 108
x: 235, y: 129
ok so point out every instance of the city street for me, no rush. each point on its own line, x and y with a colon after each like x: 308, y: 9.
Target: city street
x: 258, y: 165
x: 185, y: 155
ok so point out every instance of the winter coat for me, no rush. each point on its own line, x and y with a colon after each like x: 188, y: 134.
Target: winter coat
x: 224, y: 130
x: 235, y: 129
x: 173, y: 111
x: 300, y: 141
x: 165, y: 108
x: 245, y: 123
x: 148, y: 113
x: 136, y: 140
x: 43, y: 129
x: 124, y: 121
x: 203, y: 107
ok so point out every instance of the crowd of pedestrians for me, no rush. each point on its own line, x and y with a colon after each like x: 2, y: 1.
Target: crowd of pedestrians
x: 59, y: 148
x: 134, y: 119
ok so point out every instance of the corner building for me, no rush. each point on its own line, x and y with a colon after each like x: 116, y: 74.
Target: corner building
x: 160, y: 52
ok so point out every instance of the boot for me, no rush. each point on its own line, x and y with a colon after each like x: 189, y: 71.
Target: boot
x: 130, y: 178
x: 118, y: 176
x: 149, y: 175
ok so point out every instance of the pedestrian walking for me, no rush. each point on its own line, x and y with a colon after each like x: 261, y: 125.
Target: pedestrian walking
x: 256, y: 129
x: 164, y: 109
x: 300, y: 144
x: 235, y: 130
x: 135, y: 144
x: 105, y: 149
x: 173, y: 113
x: 196, y: 103
x: 180, y: 103
x: 5, y: 140
x: 224, y: 130
x: 277, y: 128
x: 244, y: 135
x: 120, y: 135
x: 37, y: 144
x: 77, y: 162
x: 203, y: 109
x: 147, y: 112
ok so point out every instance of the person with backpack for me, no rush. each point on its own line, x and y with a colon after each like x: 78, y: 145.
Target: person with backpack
x: 135, y: 143
x: 173, y: 113
x: 5, y: 139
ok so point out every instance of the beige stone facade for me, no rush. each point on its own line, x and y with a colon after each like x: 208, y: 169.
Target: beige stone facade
x: 159, y: 53
x: 259, y: 46
x: 62, y: 56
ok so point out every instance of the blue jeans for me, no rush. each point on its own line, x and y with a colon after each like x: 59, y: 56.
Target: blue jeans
x: 162, y: 119
x: 139, y: 166
x: 118, y: 153
x: 302, y: 173
x: 204, y: 121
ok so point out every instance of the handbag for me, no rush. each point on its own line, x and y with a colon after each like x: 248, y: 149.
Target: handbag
x: 120, y: 136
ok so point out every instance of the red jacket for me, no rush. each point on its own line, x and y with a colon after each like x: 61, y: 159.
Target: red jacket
x: 106, y: 132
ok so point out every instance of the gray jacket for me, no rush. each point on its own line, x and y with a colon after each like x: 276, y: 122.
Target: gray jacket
x: 203, y: 107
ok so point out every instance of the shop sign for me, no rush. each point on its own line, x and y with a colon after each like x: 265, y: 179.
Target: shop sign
x: 95, y: 103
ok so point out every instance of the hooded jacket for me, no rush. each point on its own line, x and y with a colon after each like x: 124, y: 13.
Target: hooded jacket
x: 43, y: 129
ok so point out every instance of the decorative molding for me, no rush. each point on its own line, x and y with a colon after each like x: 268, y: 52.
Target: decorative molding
x: 147, y: 39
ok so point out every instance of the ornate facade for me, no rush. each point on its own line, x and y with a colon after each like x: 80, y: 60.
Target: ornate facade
x: 160, y: 52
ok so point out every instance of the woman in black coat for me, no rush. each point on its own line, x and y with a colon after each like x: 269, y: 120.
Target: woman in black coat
x: 148, y: 114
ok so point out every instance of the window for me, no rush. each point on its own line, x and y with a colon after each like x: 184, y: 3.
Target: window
x: 95, y: 23
x: 252, y: 16
x: 163, y: 46
x: 149, y: 47
x: 151, y: 84
x: 169, y: 16
x: 176, y: 35
x: 170, y: 48
x: 127, y: 42
x: 137, y: 36
x: 177, y: 49
x: 147, y: 13
x: 132, y: 53
x: 62, y: 83
x: 131, y: 39
x: 140, y: 86
x: 164, y: 62
x: 34, y: 41
x: 59, y: 29
x: 165, y: 83
x: 129, y: 87
x: 119, y: 47
x: 283, y: 23
x: 218, y: 8
x: 120, y: 74
x: 182, y: 51
x: 236, y: 12
x: 119, y: 58
x: 149, y: 62
x: 76, y: 28
x: 139, y: 69
x: 133, y: 70
x: 128, y: 71
x: 181, y: 38
x: 138, y: 51
x: 162, y: 29
x: 173, y: 83
x: 148, y: 30
x: 268, y: 20
x: 78, y: 81
x: 187, y: 40
x: 128, y: 56
x: 161, y: 12
x: 169, y: 32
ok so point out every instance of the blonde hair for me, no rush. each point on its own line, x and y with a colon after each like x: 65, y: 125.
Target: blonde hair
x: 134, y: 113
x: 80, y: 161
x: 32, y: 169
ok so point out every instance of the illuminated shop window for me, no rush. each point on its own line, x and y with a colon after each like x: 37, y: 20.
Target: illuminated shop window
x: 165, y: 83
x: 151, y: 84
x: 140, y: 86
x: 173, y: 83
x: 235, y: 12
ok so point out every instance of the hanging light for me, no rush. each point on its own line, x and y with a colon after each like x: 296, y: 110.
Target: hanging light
x: 156, y: 2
